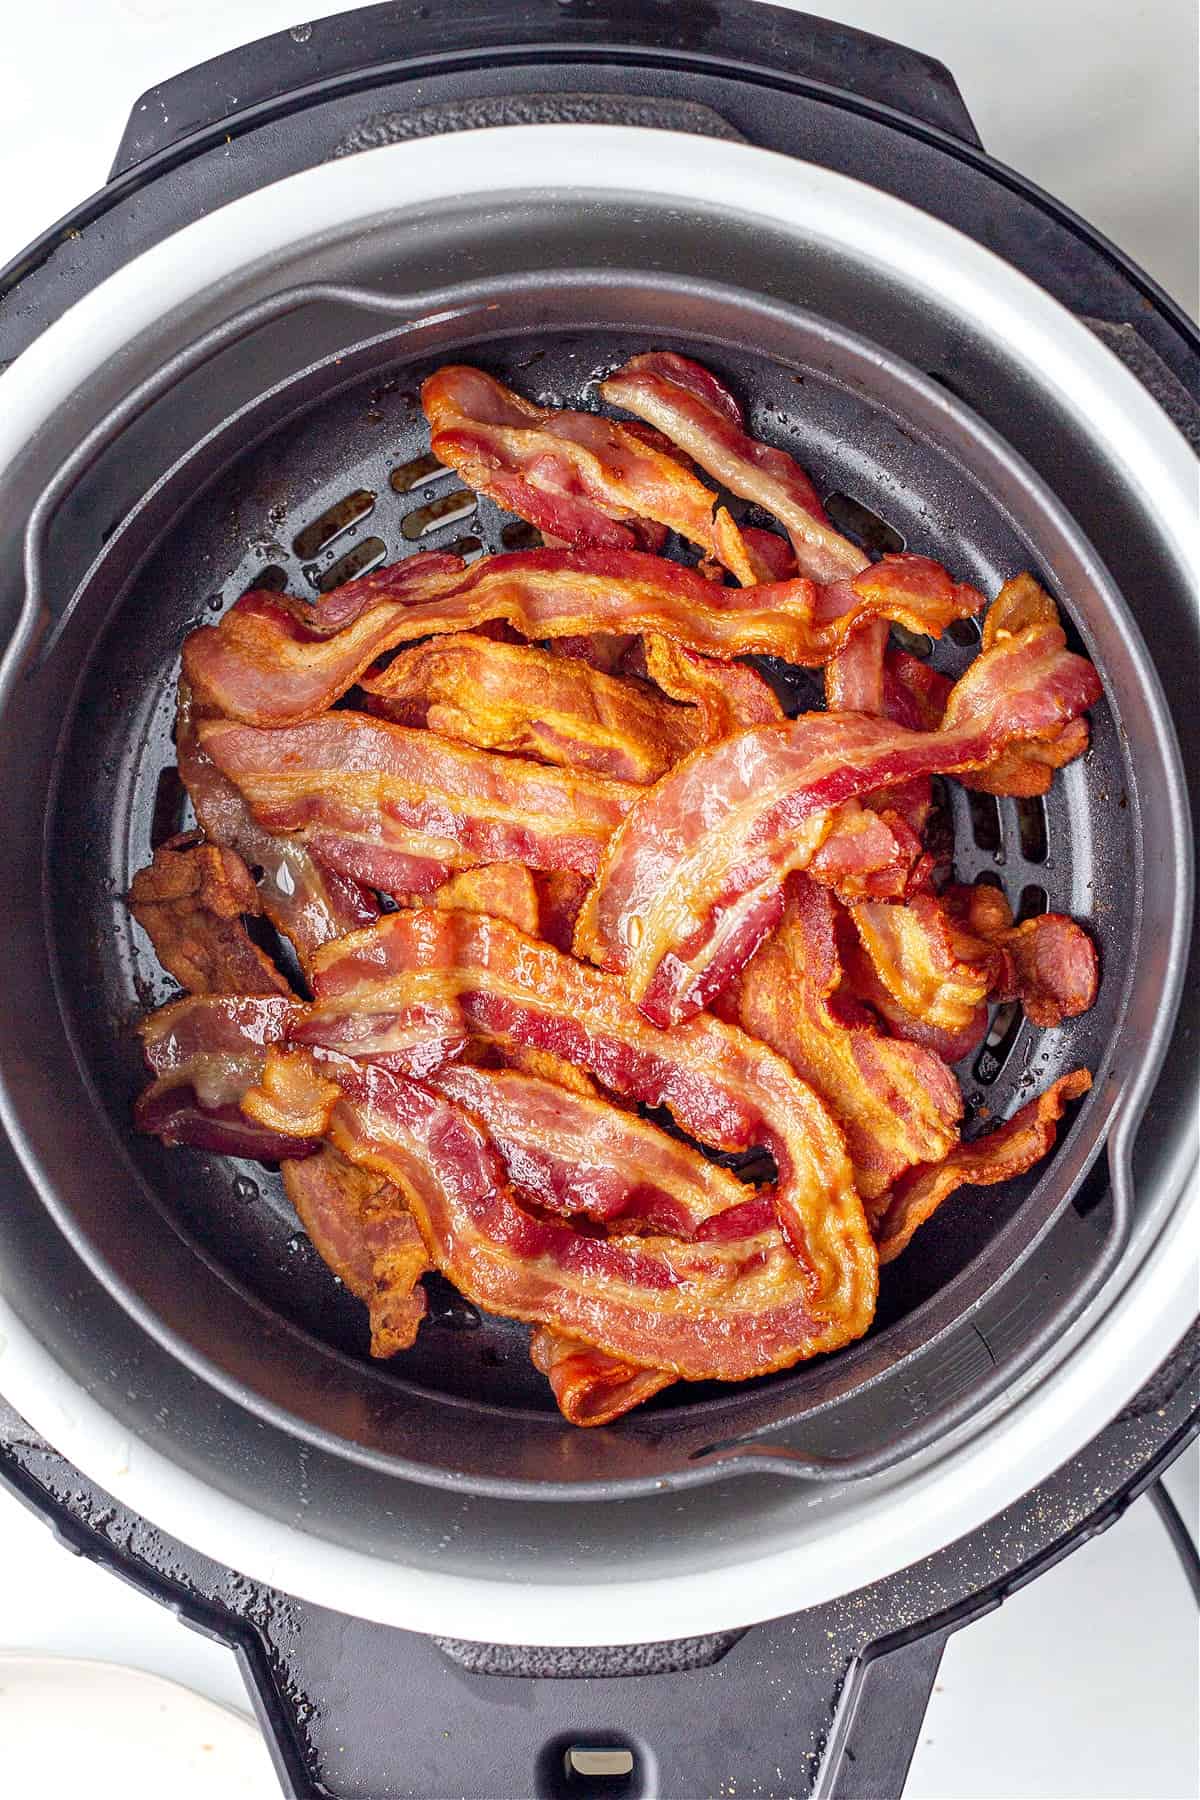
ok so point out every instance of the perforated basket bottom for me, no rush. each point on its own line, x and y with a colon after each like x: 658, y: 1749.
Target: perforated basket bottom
x: 350, y: 485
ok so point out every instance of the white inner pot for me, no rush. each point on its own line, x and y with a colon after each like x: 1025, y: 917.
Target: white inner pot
x: 819, y: 1542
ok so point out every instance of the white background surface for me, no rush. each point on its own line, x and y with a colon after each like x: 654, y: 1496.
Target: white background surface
x: 1085, y: 1683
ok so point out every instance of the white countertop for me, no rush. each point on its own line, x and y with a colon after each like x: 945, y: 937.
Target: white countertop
x: 1084, y: 1683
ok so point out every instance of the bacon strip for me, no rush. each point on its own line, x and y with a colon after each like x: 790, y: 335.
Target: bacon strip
x: 574, y: 1154
x: 1009, y: 1150
x: 420, y: 984
x: 528, y: 702
x: 719, y: 1310
x: 696, y: 411
x: 726, y: 695
x: 360, y: 1226
x: 309, y: 904
x: 691, y: 883
x: 190, y: 901
x: 934, y: 972
x: 897, y: 1104
x: 398, y: 809
x: 273, y: 660
x: 204, y: 1053
x: 1048, y: 963
x: 578, y: 477
x: 590, y: 1386
x: 503, y: 890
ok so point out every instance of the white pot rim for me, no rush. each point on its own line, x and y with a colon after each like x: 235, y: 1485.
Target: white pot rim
x: 1122, y: 1338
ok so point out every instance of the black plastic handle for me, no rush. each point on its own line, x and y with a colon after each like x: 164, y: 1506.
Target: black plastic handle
x: 377, y: 44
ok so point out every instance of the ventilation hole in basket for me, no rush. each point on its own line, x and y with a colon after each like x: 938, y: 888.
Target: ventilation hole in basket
x: 917, y: 643
x: 448, y: 509
x: 859, y: 523
x: 170, y: 800
x: 519, y: 535
x: 998, y: 1045
x: 469, y: 548
x: 966, y: 632
x: 1031, y: 825
x: 1034, y: 902
x: 364, y: 557
x: 333, y: 521
x: 271, y: 580
x: 985, y: 820
x: 416, y: 473
x: 986, y: 879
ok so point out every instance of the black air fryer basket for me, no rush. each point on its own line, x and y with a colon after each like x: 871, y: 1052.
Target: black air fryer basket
x: 304, y: 476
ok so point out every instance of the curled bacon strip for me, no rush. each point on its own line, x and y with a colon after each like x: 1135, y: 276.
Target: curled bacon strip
x: 691, y: 883
x: 897, y: 1103
x: 939, y: 959
x: 725, y: 1309
x: 698, y: 413
x: 590, y: 1386
x: 309, y: 904
x: 726, y: 695
x: 1048, y: 963
x: 526, y: 701
x: 273, y: 660
x: 360, y: 1226
x: 190, y: 902
x: 419, y: 984
x: 1005, y: 1152
x: 399, y: 809
x: 578, y: 477
x: 204, y: 1053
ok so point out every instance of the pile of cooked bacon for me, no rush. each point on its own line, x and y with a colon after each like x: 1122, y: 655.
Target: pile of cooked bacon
x: 574, y: 905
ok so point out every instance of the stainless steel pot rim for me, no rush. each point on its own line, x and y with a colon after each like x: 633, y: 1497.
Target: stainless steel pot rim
x: 1058, y: 1412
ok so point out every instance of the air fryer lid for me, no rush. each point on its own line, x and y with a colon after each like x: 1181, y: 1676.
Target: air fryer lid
x: 821, y: 204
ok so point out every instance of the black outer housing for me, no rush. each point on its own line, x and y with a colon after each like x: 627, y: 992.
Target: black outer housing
x: 829, y: 1701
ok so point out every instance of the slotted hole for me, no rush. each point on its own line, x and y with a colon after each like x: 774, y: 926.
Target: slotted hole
x: 1031, y: 825
x: 518, y: 534
x: 271, y: 580
x: 966, y: 632
x: 856, y: 521
x: 170, y: 799
x: 985, y: 820
x: 415, y: 474
x: 917, y: 643
x: 469, y: 548
x: 1034, y: 902
x: 447, y: 509
x: 998, y: 1045
x: 333, y: 521
x: 588, y: 1762
x: 365, y: 556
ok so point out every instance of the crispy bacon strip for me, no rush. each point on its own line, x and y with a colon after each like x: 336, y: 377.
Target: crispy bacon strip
x: 1048, y: 963
x: 854, y: 675
x: 933, y: 971
x: 897, y: 1104
x: 578, y: 477
x: 724, y: 1309
x: 575, y: 1154
x: 696, y: 411
x: 590, y: 1386
x: 398, y: 809
x: 308, y: 903
x: 528, y: 702
x: 204, y: 1053
x: 870, y: 853
x: 726, y: 695
x: 360, y: 1226
x: 273, y: 660
x: 1005, y: 1152
x: 691, y: 883
x: 419, y: 984
x: 190, y: 901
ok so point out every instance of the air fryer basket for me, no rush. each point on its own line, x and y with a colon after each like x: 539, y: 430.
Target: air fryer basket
x: 314, y: 473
